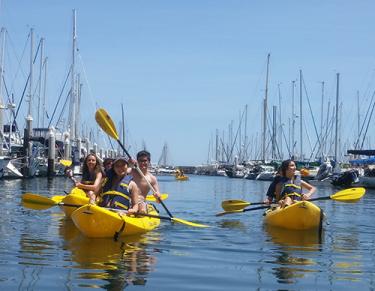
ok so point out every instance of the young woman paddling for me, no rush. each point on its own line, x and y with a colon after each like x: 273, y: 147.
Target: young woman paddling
x: 91, y: 177
x: 120, y: 191
x: 289, y: 188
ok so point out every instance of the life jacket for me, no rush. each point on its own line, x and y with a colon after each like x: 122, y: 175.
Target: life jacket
x: 117, y: 196
x: 292, y: 188
x: 88, y: 179
x: 272, y: 188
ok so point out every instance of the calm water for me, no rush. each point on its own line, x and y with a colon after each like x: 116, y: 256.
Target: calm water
x: 40, y: 250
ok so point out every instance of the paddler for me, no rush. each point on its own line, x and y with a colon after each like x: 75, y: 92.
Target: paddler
x: 143, y: 162
x: 289, y: 188
x: 91, y: 177
x: 120, y: 191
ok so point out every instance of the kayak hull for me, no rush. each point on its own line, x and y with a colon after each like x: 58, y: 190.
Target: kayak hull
x: 75, y: 197
x: 182, y: 178
x: 301, y: 215
x: 99, y: 222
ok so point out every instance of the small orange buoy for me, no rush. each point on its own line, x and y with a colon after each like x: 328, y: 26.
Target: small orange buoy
x: 304, y: 172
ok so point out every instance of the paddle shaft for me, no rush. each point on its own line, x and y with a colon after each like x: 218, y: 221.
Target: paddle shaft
x: 155, y: 216
x: 320, y: 198
x: 256, y: 208
x: 69, y: 205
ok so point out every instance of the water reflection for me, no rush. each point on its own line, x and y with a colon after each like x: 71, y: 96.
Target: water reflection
x: 122, y: 263
x: 294, y: 238
x: 292, y: 258
x: 34, y: 256
x: 346, y: 263
x: 232, y: 224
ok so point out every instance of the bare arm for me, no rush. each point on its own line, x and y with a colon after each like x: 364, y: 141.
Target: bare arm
x: 154, y: 183
x: 311, y: 189
x: 278, y: 191
x: 134, y: 194
x: 94, y: 187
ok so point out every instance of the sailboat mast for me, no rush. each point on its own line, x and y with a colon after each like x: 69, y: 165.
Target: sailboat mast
x: 29, y: 116
x: 358, y: 115
x: 321, y: 118
x: 217, y: 146
x: 44, y: 91
x: 300, y: 115
x: 280, y: 142
x: 246, y: 137
x: 73, y: 82
x: 265, y: 113
x: 274, y: 132
x: 40, y: 81
x: 337, y: 115
x: 2, y: 107
x: 293, y: 120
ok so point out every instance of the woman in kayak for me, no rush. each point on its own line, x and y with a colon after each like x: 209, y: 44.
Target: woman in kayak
x: 91, y: 177
x: 120, y: 191
x: 289, y: 189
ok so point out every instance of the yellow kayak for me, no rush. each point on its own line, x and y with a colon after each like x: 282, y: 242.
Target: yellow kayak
x: 182, y: 178
x: 75, y: 197
x: 97, y: 222
x: 298, y: 216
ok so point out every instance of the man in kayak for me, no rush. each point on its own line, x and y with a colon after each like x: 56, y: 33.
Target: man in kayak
x: 143, y: 163
x: 289, y: 188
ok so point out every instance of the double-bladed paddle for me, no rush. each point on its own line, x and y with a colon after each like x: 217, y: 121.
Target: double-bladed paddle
x: 31, y: 198
x: 349, y: 195
x: 236, y: 204
x: 106, y: 124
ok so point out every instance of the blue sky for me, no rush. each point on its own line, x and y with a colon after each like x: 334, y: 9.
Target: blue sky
x: 183, y: 69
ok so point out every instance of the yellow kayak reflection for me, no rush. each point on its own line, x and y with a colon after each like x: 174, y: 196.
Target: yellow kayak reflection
x: 303, y: 238
x: 119, y: 263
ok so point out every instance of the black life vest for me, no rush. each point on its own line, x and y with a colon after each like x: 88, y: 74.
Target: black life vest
x: 88, y: 178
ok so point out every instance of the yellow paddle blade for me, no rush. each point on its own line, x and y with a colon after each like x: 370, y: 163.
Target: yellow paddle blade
x: 182, y: 221
x: 234, y: 204
x: 66, y: 163
x: 152, y: 198
x: 349, y: 195
x: 106, y: 123
x: 35, y: 206
x: 58, y: 198
x: 37, y: 199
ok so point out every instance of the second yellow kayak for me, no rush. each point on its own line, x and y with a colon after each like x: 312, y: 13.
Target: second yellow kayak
x: 75, y: 197
x: 301, y: 215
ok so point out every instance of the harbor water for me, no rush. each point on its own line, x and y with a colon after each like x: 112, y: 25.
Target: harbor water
x: 41, y: 250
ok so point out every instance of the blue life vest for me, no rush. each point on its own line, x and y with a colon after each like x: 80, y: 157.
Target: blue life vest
x: 117, y: 196
x: 292, y: 188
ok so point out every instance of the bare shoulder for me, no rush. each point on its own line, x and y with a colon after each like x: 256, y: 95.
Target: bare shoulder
x: 133, y: 185
x: 152, y: 177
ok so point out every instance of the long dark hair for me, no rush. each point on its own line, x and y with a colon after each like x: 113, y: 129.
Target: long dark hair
x: 284, y: 166
x: 86, y: 176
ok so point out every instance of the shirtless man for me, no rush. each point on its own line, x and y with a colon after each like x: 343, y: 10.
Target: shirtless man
x: 143, y: 161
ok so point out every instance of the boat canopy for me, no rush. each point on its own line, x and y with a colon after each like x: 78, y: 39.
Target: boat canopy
x: 368, y: 161
x: 362, y: 152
